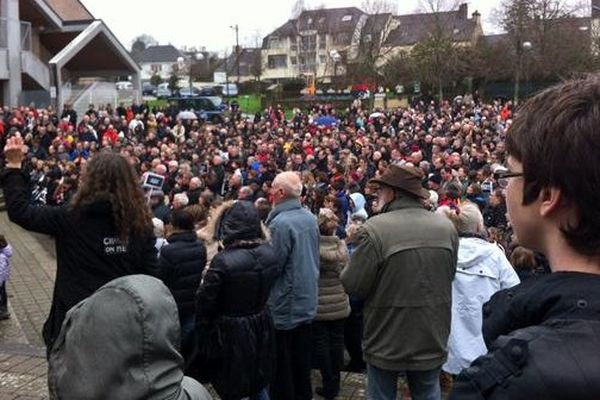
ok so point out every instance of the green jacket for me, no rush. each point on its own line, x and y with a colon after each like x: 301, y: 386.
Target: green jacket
x: 403, y: 268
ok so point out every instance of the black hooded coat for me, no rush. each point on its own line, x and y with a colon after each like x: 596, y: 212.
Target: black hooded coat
x: 235, y: 333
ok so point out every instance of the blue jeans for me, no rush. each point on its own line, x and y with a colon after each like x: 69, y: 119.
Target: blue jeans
x: 187, y: 336
x: 423, y: 385
x: 262, y: 395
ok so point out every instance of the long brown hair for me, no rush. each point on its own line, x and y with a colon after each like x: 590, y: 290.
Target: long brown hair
x: 110, y: 177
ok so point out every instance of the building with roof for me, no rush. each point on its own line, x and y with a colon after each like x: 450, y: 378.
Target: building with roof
x: 325, y: 43
x: 250, y: 64
x: 157, y: 60
x: 47, y: 45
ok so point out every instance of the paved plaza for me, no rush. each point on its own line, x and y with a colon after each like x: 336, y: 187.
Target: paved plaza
x: 22, y: 353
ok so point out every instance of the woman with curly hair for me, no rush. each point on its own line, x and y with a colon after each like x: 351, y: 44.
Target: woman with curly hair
x: 105, y: 232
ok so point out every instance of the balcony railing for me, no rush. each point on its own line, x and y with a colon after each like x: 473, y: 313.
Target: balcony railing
x: 25, y: 34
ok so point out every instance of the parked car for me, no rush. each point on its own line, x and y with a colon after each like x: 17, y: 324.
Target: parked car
x: 229, y: 90
x: 185, y: 92
x: 210, y: 91
x: 148, y: 89
x: 206, y: 108
x: 124, y: 85
x: 163, y: 91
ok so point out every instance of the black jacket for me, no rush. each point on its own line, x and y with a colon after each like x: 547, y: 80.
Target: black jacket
x: 163, y: 213
x: 495, y: 216
x: 543, y: 338
x: 88, y: 250
x: 231, y: 304
x: 181, y: 263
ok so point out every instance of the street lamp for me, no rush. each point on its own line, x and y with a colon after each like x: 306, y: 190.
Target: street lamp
x: 336, y: 57
x: 237, y: 50
x: 522, y: 46
x: 181, y: 65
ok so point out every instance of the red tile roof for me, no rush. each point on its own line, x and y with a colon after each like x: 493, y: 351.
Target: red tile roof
x: 70, y: 10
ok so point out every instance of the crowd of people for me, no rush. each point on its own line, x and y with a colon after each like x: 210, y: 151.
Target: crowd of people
x: 284, y: 241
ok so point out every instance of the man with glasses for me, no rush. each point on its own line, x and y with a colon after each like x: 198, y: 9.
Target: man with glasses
x: 543, y: 336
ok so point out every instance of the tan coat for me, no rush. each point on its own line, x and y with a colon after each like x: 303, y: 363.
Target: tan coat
x: 333, y: 300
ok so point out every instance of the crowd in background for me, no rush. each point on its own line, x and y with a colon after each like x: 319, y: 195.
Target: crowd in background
x: 458, y: 145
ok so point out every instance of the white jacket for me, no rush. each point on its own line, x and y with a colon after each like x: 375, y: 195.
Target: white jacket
x: 482, y: 270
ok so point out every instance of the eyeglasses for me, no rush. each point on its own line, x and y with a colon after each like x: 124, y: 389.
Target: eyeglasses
x: 502, y: 177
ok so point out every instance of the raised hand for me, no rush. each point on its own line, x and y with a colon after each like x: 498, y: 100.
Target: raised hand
x: 14, y: 152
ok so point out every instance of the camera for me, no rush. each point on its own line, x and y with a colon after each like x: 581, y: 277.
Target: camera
x: 204, y: 169
x: 153, y: 181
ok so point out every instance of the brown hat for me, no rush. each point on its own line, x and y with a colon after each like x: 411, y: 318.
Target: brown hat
x: 405, y: 178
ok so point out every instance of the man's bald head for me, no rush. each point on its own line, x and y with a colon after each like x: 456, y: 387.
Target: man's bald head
x: 287, y: 185
x: 195, y: 183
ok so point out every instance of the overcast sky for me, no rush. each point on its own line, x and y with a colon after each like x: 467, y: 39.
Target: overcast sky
x: 207, y: 23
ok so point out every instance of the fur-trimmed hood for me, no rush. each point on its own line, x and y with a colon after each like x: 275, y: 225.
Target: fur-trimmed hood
x: 210, y: 233
x: 333, y: 250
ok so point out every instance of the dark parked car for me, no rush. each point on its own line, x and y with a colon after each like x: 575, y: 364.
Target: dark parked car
x: 185, y: 92
x: 205, y: 91
x: 148, y: 90
x: 206, y: 108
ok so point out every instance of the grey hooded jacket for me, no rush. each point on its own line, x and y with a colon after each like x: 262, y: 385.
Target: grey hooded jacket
x: 122, y: 343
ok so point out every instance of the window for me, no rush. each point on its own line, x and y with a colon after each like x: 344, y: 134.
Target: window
x: 347, y: 18
x: 156, y: 68
x: 274, y: 43
x: 342, y: 38
x: 322, y: 41
x: 293, y: 60
x: 323, y: 59
x: 309, y: 21
x: 278, y: 61
x: 321, y: 20
x: 308, y: 43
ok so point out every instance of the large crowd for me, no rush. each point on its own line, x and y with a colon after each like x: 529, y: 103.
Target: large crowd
x: 285, y: 239
x: 458, y: 146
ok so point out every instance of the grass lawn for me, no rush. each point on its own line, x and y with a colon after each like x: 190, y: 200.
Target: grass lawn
x: 158, y: 103
x: 249, y: 104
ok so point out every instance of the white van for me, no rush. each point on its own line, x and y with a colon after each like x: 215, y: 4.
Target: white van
x: 229, y: 90
x: 124, y: 85
x: 163, y: 91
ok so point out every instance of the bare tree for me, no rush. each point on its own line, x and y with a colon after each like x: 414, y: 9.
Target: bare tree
x: 436, y: 58
x: 438, y: 6
x: 372, y: 51
x: 548, y: 41
x: 142, y: 42
x: 492, y: 61
x: 299, y: 6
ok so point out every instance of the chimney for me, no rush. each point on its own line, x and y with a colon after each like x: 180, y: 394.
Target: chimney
x: 463, y: 11
x: 476, y: 17
x: 595, y: 9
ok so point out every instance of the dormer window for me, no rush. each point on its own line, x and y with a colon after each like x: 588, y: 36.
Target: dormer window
x: 274, y: 42
x: 347, y: 18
